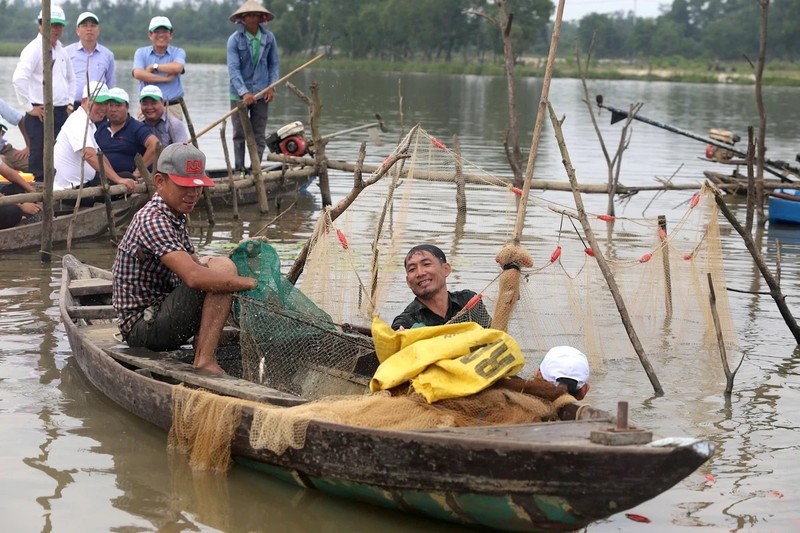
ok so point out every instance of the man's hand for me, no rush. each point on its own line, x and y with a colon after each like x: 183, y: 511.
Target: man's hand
x: 248, y: 99
x: 37, y: 111
x: 30, y: 208
x: 129, y: 184
x: 270, y: 95
x: 22, y: 154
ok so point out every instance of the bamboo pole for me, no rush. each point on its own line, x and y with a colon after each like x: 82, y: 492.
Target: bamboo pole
x: 601, y: 260
x: 112, y: 228
x: 723, y: 353
x: 774, y: 286
x: 319, y: 146
x: 543, y: 185
x: 258, y: 95
x: 255, y: 161
x: 359, y: 185
x: 193, y: 139
x: 662, y: 236
x: 537, y: 128
x: 231, y: 181
x: 49, y: 137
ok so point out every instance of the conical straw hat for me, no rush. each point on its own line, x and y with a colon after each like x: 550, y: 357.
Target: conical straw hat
x: 251, y: 6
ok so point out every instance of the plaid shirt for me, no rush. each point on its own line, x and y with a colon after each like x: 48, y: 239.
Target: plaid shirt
x: 140, y: 278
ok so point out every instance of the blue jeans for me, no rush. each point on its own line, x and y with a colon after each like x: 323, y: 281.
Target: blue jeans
x: 258, y: 114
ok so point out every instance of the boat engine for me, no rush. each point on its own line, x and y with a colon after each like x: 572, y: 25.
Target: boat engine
x: 289, y: 140
x: 723, y: 136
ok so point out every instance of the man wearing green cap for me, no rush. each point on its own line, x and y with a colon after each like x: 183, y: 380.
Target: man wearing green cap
x: 161, y: 64
x: 28, y: 80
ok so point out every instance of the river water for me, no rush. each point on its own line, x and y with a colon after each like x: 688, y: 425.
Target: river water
x: 72, y: 461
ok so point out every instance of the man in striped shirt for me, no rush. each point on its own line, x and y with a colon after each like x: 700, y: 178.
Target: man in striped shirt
x: 163, y: 292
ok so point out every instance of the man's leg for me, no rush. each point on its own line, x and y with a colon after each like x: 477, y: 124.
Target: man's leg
x: 10, y: 157
x: 258, y: 118
x: 238, y: 139
x: 216, y: 309
x: 35, y: 129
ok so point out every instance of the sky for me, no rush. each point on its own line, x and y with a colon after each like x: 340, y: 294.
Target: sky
x: 575, y: 9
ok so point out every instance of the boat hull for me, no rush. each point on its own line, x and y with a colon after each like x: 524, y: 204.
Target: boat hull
x: 784, y: 206
x: 87, y: 223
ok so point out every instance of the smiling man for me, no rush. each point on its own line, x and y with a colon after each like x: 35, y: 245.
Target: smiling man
x: 163, y: 292
x: 426, y: 274
x: 161, y: 64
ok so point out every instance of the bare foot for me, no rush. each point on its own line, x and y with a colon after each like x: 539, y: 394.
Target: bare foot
x: 211, y: 368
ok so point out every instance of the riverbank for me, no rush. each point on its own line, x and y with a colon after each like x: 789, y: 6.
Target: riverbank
x: 779, y: 74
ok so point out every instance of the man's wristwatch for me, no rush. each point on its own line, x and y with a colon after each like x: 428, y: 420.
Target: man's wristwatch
x: 155, y: 67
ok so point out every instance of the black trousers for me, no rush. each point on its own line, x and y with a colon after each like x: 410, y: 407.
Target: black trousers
x: 35, y: 128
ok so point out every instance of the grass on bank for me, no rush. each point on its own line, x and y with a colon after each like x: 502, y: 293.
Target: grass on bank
x: 677, y: 69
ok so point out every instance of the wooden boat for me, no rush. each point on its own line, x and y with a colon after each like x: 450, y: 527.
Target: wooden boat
x: 279, y: 182
x: 523, y: 477
x: 89, y: 222
x: 784, y: 206
x: 735, y: 179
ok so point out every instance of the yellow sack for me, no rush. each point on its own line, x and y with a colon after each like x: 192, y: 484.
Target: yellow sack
x: 449, y: 361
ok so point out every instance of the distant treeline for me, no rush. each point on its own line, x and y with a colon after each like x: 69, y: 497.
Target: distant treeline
x: 443, y: 30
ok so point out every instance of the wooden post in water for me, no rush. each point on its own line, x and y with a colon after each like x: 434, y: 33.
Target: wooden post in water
x: 319, y: 146
x: 112, y: 229
x: 206, y: 194
x: 49, y: 137
x: 234, y: 194
x: 255, y: 161
x: 662, y: 236
x: 600, y: 258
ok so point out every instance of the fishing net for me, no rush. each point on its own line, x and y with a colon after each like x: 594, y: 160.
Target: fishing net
x: 662, y: 267
x: 206, y: 422
x: 287, y: 341
x: 556, y: 294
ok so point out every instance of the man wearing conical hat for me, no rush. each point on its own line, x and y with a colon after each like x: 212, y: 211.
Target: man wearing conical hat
x: 252, y: 67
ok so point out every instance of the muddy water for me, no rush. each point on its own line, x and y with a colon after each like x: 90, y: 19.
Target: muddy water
x: 71, y: 460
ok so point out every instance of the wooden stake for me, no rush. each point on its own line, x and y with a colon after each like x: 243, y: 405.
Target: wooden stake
x: 601, y: 260
x: 255, y: 161
x: 49, y: 137
x: 112, y: 228
x: 193, y: 138
x: 234, y: 194
x: 662, y: 235
x: 537, y: 128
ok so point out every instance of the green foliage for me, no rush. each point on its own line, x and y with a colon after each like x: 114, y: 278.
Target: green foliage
x: 445, y: 36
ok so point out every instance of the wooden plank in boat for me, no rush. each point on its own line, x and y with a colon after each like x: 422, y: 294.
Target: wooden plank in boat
x: 156, y: 363
x: 91, y: 286
x: 92, y: 311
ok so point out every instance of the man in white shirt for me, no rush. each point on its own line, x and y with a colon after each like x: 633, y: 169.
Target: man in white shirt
x: 28, y: 82
x: 76, y: 148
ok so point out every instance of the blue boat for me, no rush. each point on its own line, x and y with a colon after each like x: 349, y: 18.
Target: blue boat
x: 784, y: 206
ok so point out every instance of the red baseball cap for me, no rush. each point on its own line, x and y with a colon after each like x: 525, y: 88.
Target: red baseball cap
x: 185, y: 165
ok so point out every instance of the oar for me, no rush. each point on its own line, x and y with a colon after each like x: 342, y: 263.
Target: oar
x: 378, y: 124
x: 257, y: 96
x: 619, y: 114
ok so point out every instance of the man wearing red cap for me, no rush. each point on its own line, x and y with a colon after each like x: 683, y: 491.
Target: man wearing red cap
x: 163, y: 292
